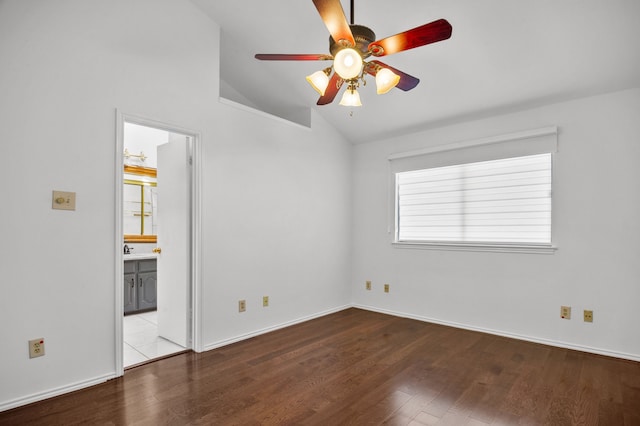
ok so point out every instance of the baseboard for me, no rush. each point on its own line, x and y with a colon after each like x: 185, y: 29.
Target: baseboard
x: 101, y: 379
x: 543, y: 341
x: 225, y: 342
x: 54, y: 392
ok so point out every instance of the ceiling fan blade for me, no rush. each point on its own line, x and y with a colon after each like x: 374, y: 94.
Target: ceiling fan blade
x: 407, y: 82
x: 334, y: 18
x: 428, y: 33
x: 335, y: 83
x: 293, y: 57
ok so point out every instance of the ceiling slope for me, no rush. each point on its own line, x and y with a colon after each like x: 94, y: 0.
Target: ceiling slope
x: 503, y: 56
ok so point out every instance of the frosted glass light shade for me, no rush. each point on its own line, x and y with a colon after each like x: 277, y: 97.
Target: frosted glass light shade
x: 319, y: 81
x: 351, y: 98
x: 347, y: 63
x: 386, y: 80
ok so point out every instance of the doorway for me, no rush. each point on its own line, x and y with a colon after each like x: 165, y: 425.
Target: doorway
x: 156, y: 267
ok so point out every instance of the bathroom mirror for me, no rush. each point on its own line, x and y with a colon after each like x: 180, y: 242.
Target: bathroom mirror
x: 139, y: 200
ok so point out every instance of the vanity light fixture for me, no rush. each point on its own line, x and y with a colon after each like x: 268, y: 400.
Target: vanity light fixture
x: 128, y: 155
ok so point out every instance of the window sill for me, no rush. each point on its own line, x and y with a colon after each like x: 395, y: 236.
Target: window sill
x: 498, y: 248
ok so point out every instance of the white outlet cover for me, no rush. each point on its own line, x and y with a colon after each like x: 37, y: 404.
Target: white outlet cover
x: 36, y: 348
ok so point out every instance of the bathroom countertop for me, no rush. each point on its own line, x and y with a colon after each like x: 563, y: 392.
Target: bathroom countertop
x: 140, y: 256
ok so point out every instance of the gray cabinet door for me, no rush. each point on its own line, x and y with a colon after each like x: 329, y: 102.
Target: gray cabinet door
x: 147, y: 289
x: 130, y: 293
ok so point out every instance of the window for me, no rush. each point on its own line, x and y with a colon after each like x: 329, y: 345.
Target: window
x: 498, y: 202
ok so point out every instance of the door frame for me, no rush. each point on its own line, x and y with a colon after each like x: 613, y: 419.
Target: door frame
x: 196, y: 223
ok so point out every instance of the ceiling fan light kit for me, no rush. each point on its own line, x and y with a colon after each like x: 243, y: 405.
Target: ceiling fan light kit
x: 348, y: 63
x: 319, y: 80
x: 350, y: 45
x: 351, y: 97
x: 386, y: 80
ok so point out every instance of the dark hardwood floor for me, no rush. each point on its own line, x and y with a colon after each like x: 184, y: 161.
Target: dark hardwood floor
x: 358, y: 367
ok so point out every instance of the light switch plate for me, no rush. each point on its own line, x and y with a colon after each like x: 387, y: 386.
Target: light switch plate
x: 62, y: 200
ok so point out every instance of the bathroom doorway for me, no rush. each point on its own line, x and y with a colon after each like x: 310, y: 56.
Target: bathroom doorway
x: 157, y: 241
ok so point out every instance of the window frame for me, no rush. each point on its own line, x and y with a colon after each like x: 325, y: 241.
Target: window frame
x: 508, y: 247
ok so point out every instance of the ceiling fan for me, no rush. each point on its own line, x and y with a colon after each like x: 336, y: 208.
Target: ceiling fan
x: 350, y: 45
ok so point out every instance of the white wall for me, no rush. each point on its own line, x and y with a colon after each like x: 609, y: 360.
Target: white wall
x: 596, y: 204
x: 275, y: 211
x: 278, y: 224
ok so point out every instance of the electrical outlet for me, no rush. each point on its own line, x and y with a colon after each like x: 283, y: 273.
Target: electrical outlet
x: 565, y: 312
x: 588, y: 315
x: 242, y: 305
x: 36, y: 348
x: 386, y: 288
x: 265, y: 301
x: 367, y: 285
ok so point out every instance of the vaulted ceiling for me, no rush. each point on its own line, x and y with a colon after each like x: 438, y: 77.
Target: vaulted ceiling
x: 504, y: 55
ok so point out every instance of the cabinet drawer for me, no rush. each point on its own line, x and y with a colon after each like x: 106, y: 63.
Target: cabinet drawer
x: 129, y: 266
x: 147, y: 265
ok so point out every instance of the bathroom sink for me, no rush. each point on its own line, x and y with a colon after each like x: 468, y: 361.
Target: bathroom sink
x: 137, y: 256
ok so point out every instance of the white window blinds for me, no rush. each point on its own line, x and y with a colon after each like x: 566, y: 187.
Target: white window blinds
x: 498, y: 201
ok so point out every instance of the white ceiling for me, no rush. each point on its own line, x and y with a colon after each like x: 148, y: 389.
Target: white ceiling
x: 504, y: 55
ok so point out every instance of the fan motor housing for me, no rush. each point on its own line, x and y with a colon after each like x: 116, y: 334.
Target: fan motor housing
x: 363, y: 37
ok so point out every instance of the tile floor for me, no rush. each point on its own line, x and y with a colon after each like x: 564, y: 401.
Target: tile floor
x: 141, y: 340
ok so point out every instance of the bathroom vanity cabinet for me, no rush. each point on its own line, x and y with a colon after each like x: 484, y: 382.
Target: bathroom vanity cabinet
x: 140, y: 285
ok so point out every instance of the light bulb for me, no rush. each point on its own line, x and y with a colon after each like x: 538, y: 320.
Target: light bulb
x: 319, y: 80
x: 348, y: 63
x: 351, y: 98
x: 386, y: 80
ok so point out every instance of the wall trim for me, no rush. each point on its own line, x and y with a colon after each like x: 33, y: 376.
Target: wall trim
x: 260, y: 113
x: 195, y: 290
x: 525, y: 134
x: 548, y: 342
x: 496, y: 248
x: 18, y: 402
x: 542, y: 341
x: 220, y: 343
x: 231, y: 340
